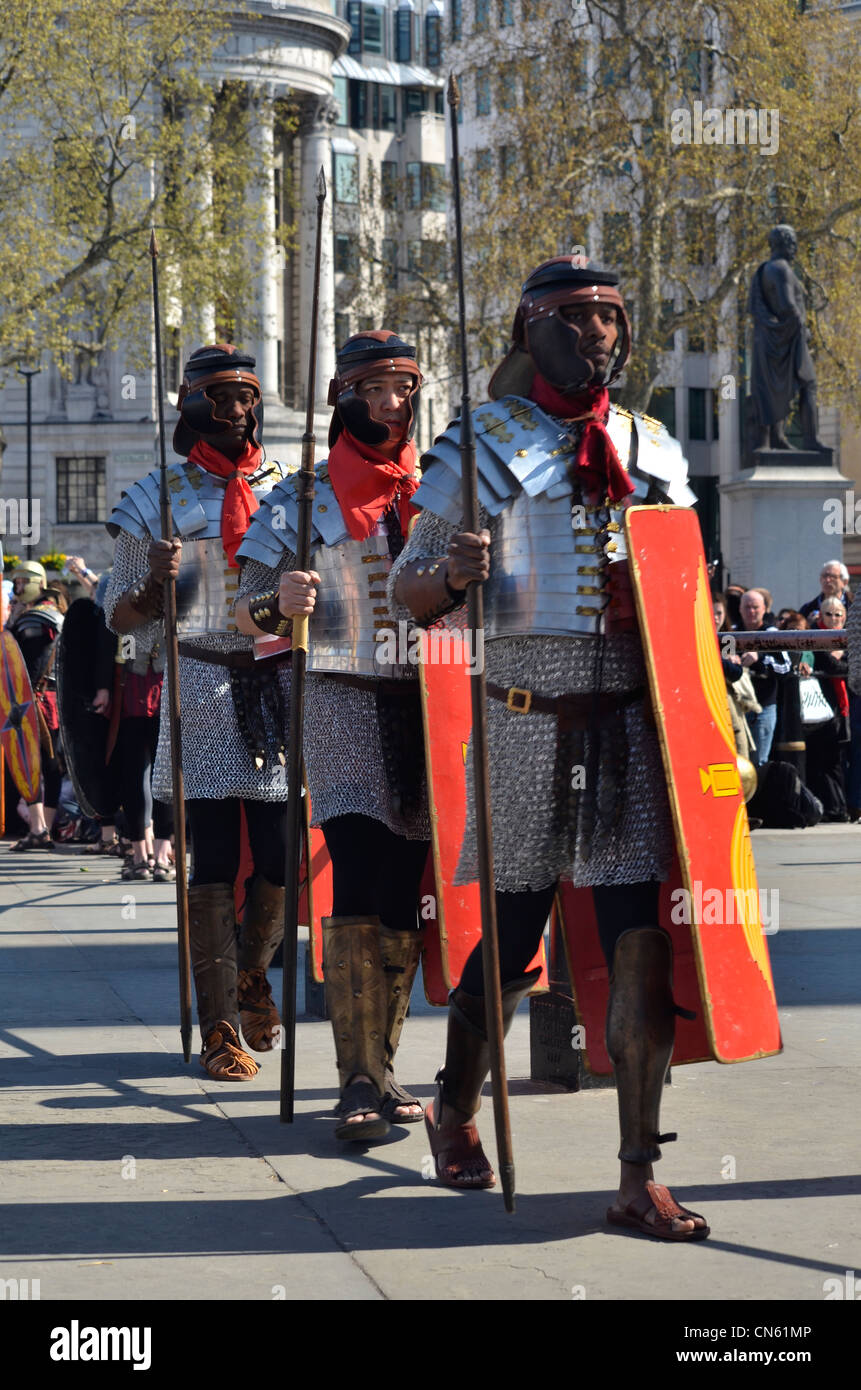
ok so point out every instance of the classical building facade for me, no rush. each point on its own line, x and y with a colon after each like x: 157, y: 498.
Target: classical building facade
x: 361, y: 84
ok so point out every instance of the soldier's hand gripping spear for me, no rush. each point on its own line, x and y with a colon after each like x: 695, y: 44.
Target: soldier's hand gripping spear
x: 295, y: 818
x: 172, y: 683
x: 480, y: 762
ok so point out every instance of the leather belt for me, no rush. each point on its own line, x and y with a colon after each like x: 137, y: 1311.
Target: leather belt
x: 234, y: 661
x: 373, y: 684
x: 572, y: 711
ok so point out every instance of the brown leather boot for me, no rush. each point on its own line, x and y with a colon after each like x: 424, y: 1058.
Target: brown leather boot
x: 401, y: 952
x: 357, y: 1000
x: 212, y: 932
x: 640, y: 1034
x: 260, y: 935
x: 458, y: 1156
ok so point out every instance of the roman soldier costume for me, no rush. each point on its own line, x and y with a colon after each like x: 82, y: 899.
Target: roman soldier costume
x: 363, y: 745
x: 37, y: 629
x: 233, y: 701
x: 566, y: 684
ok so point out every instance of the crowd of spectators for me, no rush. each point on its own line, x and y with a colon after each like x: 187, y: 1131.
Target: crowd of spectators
x: 123, y: 690
x: 794, y: 716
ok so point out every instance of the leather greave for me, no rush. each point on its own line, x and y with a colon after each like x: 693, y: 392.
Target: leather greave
x: 212, y: 934
x: 467, y: 1054
x: 356, y: 995
x: 640, y: 1035
x: 262, y: 929
x: 401, y: 952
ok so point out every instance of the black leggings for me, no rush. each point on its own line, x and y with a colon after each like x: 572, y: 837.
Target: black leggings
x: 521, y: 918
x: 375, y: 872
x: 214, y: 827
x: 51, y: 779
x: 137, y: 740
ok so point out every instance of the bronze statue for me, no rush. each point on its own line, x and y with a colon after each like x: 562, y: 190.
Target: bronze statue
x: 782, y: 365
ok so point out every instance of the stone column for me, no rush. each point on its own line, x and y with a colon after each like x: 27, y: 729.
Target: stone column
x: 267, y: 280
x: 315, y: 131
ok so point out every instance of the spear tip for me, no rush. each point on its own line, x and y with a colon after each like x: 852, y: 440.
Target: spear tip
x: 153, y: 244
x: 453, y: 90
x: 321, y: 183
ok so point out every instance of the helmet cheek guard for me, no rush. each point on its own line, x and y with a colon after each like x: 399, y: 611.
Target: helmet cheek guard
x: 546, y: 342
x: 219, y: 364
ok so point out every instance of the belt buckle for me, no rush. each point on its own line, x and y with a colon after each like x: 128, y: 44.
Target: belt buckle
x: 515, y: 690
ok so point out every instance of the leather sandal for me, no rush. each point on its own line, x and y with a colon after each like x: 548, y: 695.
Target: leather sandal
x: 459, y: 1159
x: 32, y: 840
x: 396, y: 1096
x: 662, y: 1201
x: 222, y: 1057
x: 258, y: 1016
x: 360, y: 1098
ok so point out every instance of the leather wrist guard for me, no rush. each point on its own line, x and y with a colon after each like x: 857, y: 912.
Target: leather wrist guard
x: 425, y: 590
x: 264, y: 613
x: 147, y: 597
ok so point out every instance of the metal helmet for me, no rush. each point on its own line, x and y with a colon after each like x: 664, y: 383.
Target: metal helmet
x: 35, y: 579
x: 206, y: 367
x: 362, y: 356
x: 544, y: 341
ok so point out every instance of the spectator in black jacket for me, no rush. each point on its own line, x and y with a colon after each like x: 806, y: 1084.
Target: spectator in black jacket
x: 764, y: 668
x: 834, y: 580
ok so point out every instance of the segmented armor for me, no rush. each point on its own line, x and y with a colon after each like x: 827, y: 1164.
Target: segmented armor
x: 215, y: 760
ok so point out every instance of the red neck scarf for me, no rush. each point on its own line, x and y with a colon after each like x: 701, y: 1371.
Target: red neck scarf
x: 239, y: 503
x: 597, y: 462
x: 837, y: 682
x: 365, y: 483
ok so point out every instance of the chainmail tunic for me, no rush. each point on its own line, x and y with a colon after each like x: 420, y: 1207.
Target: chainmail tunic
x: 343, y: 754
x: 528, y: 852
x: 215, y: 761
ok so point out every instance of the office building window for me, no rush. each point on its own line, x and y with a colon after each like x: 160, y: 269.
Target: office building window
x: 482, y: 14
x: 482, y: 94
x: 696, y: 413
x: 716, y: 399
x: 389, y: 183
x: 506, y: 87
x: 414, y: 259
x: 388, y: 108
x: 346, y: 254
x: 342, y: 96
x: 415, y: 101
x: 616, y: 237
x: 354, y: 19
x: 506, y: 13
x: 433, y: 39
x: 390, y: 263
x: 359, y: 113
x: 372, y: 29
x: 433, y: 186
x: 507, y: 161
x: 342, y: 329
x: 483, y: 172
x: 414, y: 185
x: 346, y: 178
x: 404, y: 34
x: 668, y: 313
x: 663, y: 406
x: 80, y: 488
x: 456, y: 27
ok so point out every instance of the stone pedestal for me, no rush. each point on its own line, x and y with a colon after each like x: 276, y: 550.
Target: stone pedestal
x: 779, y: 514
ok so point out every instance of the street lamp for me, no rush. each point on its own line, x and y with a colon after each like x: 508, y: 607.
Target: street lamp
x: 28, y: 373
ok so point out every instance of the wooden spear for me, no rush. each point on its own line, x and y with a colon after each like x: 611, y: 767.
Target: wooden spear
x: 299, y: 645
x: 172, y: 683
x: 480, y: 759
